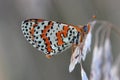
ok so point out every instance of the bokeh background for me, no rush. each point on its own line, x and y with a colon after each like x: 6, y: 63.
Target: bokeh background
x: 20, y: 61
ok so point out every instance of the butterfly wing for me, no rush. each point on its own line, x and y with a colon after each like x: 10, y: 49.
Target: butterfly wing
x: 50, y: 37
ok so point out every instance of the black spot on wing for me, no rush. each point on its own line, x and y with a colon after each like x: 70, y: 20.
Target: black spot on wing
x: 38, y: 27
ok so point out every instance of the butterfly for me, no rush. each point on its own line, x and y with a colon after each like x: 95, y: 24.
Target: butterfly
x: 51, y: 37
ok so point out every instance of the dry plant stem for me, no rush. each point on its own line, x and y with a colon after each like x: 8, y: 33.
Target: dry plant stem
x: 116, y: 69
x: 117, y: 30
x: 117, y: 62
x: 97, y: 35
x: 107, y: 62
x: 102, y: 36
x: 83, y: 74
x: 108, y: 32
x: 104, y: 31
x: 99, y: 42
x: 106, y: 25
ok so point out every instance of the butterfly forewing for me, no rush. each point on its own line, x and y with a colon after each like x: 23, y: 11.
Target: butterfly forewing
x: 50, y: 37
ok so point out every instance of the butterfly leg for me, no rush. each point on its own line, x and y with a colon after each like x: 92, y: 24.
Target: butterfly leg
x: 73, y: 47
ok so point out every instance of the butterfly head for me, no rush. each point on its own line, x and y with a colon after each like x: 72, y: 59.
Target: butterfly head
x: 86, y: 28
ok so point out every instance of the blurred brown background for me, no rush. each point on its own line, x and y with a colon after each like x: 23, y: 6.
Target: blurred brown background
x: 20, y: 61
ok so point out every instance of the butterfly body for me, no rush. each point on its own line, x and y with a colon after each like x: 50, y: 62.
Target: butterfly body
x: 51, y: 37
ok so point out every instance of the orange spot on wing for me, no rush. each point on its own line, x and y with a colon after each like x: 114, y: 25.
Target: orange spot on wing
x: 65, y: 31
x: 40, y: 20
x: 59, y: 38
x: 49, y: 49
x: 47, y: 41
x: 32, y: 28
x: 48, y: 56
x: 59, y: 33
x: 77, y: 28
x: 32, y: 31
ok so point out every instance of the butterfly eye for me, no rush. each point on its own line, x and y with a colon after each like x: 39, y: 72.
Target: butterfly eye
x: 85, y: 28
